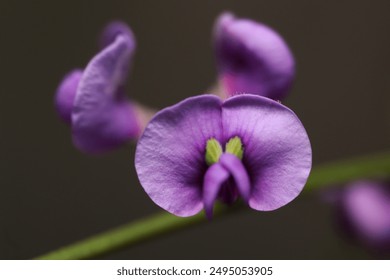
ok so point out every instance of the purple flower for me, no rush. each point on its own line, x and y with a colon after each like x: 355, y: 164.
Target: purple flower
x: 365, y: 213
x: 252, y: 58
x: 66, y: 91
x: 204, y: 149
x: 102, y: 116
x: 93, y: 101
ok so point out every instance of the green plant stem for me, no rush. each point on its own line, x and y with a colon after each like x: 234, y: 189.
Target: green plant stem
x: 370, y: 167
x: 131, y: 234
x: 343, y: 171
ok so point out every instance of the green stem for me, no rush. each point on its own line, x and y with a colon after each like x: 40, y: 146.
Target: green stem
x: 340, y: 172
x: 375, y: 166
x: 131, y: 234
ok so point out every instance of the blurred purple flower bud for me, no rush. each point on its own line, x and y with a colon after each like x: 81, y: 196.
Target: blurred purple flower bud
x: 203, y: 149
x: 252, y: 58
x: 102, y: 116
x: 93, y: 100
x: 365, y: 213
x: 66, y: 91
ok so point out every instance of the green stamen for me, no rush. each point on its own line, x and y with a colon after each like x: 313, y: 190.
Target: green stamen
x: 213, y: 151
x: 234, y: 146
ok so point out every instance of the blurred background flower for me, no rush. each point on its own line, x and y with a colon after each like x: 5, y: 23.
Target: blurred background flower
x: 251, y: 58
x: 362, y: 210
x: 93, y: 101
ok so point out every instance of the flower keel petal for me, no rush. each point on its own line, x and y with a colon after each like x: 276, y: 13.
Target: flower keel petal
x: 215, y: 176
x: 235, y: 167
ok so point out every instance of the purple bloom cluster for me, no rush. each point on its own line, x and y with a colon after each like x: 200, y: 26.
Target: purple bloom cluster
x: 206, y: 148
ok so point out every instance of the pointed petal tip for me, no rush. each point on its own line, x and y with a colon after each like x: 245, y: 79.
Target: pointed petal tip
x: 209, y: 214
x: 223, y: 21
x: 112, y: 30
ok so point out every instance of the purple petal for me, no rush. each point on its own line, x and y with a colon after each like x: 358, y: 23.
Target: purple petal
x: 112, y: 30
x: 66, y: 92
x: 252, y: 58
x: 215, y: 176
x: 235, y: 167
x: 102, y: 117
x: 170, y: 154
x: 277, y: 152
x: 366, y: 207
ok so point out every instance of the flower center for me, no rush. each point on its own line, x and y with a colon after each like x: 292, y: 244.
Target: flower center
x: 214, y: 149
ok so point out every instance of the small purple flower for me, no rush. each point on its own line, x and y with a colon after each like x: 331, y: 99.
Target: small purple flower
x: 252, y: 58
x: 365, y: 213
x: 66, y: 91
x: 102, y: 116
x: 93, y: 101
x: 204, y: 149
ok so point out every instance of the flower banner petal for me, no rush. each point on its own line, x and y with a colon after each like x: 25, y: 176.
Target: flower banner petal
x: 277, y: 152
x: 170, y: 155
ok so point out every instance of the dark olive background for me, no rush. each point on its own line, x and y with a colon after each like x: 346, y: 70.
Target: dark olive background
x: 52, y: 195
